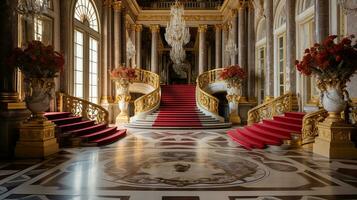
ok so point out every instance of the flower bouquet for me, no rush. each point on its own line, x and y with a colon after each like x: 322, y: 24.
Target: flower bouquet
x: 123, y: 72
x: 233, y: 75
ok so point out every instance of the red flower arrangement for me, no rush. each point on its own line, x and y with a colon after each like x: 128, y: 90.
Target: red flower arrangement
x: 233, y: 73
x: 123, y: 72
x: 37, y: 60
x: 330, y: 60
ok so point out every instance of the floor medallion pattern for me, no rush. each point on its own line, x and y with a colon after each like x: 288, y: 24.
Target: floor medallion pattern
x: 179, y: 165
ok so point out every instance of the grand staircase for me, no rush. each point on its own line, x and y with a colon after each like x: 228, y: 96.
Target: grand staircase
x: 177, y: 110
x: 73, y: 130
x: 259, y: 135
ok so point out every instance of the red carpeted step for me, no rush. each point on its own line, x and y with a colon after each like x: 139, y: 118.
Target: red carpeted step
x: 274, y: 129
x: 298, y: 115
x: 88, y: 130
x: 74, y: 126
x: 99, y: 134
x: 267, y: 134
x: 291, y: 120
x: 111, y: 138
x: 67, y: 120
x: 239, y: 140
x: 283, y: 125
x: 57, y: 115
x: 258, y: 137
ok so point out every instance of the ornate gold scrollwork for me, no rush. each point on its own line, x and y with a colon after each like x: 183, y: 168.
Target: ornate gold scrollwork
x: 81, y: 107
x: 207, y: 101
x: 271, y: 108
x: 309, y: 127
x: 151, y: 100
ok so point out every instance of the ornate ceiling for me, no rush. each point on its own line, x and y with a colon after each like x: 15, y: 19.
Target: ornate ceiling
x: 189, y: 4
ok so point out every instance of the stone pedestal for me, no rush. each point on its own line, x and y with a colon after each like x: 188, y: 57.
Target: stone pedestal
x: 334, y: 140
x: 123, y: 99
x: 233, y: 97
x: 37, y: 139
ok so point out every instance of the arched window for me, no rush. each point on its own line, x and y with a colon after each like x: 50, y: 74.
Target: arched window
x: 86, y: 51
x: 306, y: 38
x: 280, y: 48
x: 260, y: 59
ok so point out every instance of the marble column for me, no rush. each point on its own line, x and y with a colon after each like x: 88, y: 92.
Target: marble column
x: 117, y: 6
x: 251, y: 53
x: 235, y: 19
x: 269, y: 74
x: 218, y: 52
x: 321, y: 20
x: 290, y: 46
x: 202, y: 57
x: 225, y: 32
x: 154, y: 45
x: 123, y: 35
x: 12, y: 111
x: 242, y: 46
x: 138, y: 29
x: 133, y: 40
x: 105, y: 61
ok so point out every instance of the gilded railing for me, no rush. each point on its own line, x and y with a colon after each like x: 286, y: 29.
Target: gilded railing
x: 151, y: 100
x: 83, y: 108
x: 309, y: 125
x: 271, y: 108
x: 206, y: 100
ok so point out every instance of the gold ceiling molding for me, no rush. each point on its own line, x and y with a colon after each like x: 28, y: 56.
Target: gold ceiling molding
x: 187, y: 18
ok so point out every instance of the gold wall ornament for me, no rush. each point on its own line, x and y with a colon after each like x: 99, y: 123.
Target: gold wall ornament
x: 138, y: 28
x: 271, y: 108
x: 117, y: 5
x: 309, y: 125
x: 83, y: 108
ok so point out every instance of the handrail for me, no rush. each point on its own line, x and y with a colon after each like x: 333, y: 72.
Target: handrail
x: 309, y: 125
x: 271, y: 108
x: 83, y: 108
x: 204, y: 99
x: 151, y: 100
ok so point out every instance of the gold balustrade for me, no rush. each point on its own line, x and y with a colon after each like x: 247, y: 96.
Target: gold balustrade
x: 148, y: 101
x: 271, y: 108
x: 206, y: 100
x: 309, y: 125
x: 83, y: 108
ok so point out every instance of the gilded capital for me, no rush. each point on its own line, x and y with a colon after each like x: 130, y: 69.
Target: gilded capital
x: 154, y: 28
x: 218, y: 27
x: 117, y: 5
x: 202, y: 28
x: 226, y: 27
x: 138, y: 28
x: 107, y: 3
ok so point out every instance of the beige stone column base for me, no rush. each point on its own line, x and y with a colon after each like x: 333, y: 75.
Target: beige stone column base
x: 122, y: 119
x: 334, y: 140
x: 37, y: 139
x: 235, y: 119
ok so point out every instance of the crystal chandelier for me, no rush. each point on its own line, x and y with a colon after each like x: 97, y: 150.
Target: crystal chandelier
x: 31, y: 9
x: 177, y: 34
x: 231, y: 47
x: 346, y: 6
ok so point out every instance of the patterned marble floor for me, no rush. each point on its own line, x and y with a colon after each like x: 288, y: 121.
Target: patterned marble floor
x: 179, y: 165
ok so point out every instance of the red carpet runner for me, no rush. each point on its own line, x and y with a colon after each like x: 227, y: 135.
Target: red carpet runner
x: 87, y: 132
x: 178, y: 107
x: 268, y: 132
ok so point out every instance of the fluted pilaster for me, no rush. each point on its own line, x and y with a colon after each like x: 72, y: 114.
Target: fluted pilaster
x: 269, y: 74
x: 218, y: 58
x: 138, y: 29
x: 154, y: 51
x: 202, y: 58
x: 290, y: 46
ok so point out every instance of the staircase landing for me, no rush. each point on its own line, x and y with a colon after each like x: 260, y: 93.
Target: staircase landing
x: 178, y: 110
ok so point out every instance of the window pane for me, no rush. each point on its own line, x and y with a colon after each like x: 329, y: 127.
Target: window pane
x: 93, y: 70
x: 78, y: 64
